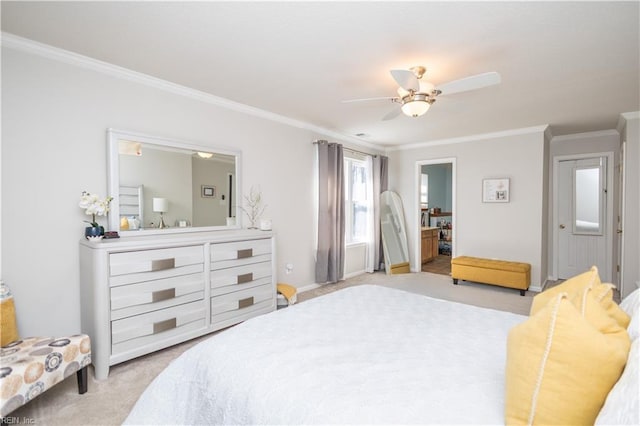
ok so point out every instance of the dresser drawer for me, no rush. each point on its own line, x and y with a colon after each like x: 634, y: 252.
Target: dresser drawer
x: 237, y: 253
x: 162, y: 261
x: 228, y: 305
x: 134, y: 332
x: 240, y: 277
x: 135, y: 299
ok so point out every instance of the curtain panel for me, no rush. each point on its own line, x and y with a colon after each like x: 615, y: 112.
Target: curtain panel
x: 331, y: 221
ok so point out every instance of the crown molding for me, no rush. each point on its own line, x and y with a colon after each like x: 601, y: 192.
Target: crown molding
x: 585, y: 135
x: 472, y: 138
x: 50, y: 52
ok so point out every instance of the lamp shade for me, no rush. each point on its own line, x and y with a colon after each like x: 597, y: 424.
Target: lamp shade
x: 415, y: 108
x: 160, y: 205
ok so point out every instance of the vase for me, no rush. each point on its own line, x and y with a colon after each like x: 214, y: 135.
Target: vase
x: 93, y: 231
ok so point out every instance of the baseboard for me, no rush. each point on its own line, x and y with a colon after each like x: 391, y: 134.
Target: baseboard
x: 536, y: 288
x: 314, y: 286
x: 354, y: 274
x: 308, y: 287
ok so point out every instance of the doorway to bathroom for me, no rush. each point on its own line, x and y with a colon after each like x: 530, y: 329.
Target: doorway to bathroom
x: 436, y: 200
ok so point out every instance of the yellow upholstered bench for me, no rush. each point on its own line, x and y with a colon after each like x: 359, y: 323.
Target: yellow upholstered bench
x: 491, y: 271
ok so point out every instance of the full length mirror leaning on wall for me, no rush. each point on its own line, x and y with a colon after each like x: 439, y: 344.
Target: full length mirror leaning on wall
x: 394, y: 235
x: 163, y: 185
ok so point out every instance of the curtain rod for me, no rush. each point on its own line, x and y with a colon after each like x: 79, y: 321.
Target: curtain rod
x: 355, y: 151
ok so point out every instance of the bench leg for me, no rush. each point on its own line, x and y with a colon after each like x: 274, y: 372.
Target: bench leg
x: 82, y: 375
x: 455, y: 281
x: 521, y: 292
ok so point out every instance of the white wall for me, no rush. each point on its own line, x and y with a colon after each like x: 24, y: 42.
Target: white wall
x: 54, y: 122
x: 630, y: 132
x: 510, y: 231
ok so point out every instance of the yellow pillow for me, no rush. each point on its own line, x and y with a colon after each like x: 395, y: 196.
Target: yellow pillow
x: 570, y: 286
x: 560, y: 367
x: 602, y: 292
x: 604, y: 295
x: 8, y: 329
x: 591, y: 310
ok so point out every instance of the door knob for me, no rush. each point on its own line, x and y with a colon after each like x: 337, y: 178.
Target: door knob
x: 562, y: 226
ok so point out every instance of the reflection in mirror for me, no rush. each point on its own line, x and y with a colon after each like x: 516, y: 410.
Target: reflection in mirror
x: 394, y: 236
x: 588, y: 201
x: 160, y: 184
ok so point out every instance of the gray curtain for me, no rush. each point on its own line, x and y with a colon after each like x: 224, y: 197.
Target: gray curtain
x: 380, y: 184
x: 331, y: 226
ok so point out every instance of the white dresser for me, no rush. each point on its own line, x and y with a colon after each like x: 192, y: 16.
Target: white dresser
x: 143, y: 293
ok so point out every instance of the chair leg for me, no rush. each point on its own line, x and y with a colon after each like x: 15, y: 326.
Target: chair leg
x: 82, y: 375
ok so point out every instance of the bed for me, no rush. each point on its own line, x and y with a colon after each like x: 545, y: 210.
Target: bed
x: 362, y: 355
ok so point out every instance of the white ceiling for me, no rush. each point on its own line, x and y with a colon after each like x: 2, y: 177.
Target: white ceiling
x: 573, y: 65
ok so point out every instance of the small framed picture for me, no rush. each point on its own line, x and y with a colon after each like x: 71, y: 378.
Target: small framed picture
x: 495, y: 190
x: 208, y: 191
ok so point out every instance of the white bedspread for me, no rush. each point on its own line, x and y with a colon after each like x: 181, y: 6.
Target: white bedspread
x: 365, y: 354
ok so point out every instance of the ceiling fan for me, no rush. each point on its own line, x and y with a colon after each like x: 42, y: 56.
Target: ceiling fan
x: 416, y: 96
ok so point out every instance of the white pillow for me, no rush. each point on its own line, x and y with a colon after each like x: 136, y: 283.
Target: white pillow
x: 622, y: 406
x: 631, y: 305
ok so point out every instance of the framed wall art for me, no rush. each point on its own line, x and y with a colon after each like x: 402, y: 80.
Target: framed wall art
x: 208, y: 191
x: 495, y: 190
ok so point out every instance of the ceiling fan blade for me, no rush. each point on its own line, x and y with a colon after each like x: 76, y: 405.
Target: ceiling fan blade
x: 392, y: 114
x: 406, y: 79
x: 470, y: 83
x: 369, y: 99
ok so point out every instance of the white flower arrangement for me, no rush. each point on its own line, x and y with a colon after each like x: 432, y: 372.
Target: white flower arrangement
x: 254, y: 206
x: 94, y: 206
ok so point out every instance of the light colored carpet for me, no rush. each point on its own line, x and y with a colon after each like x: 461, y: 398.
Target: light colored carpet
x: 108, y: 402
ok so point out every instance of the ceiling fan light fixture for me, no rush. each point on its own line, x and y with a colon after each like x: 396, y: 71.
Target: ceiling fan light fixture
x: 415, y: 108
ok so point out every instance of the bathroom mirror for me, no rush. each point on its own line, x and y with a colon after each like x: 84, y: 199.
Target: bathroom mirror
x: 394, y: 236
x: 163, y: 185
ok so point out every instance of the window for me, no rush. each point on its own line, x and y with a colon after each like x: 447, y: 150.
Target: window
x: 588, y: 197
x: 424, y: 191
x: 356, y: 200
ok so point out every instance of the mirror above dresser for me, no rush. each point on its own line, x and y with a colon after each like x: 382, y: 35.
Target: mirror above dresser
x: 162, y: 185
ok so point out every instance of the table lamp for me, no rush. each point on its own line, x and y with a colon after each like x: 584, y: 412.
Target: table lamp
x: 161, y: 205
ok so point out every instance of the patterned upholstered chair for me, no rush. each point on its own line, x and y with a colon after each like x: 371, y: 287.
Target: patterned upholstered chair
x: 30, y: 366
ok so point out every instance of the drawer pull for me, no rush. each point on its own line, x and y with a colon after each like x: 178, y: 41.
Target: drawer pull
x: 245, y: 278
x: 159, y: 327
x: 160, y: 295
x: 243, y: 254
x: 245, y: 303
x: 162, y: 264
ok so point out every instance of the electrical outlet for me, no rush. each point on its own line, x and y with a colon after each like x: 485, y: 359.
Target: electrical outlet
x: 288, y: 268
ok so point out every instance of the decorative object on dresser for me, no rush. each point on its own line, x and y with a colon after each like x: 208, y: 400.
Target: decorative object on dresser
x: 94, y: 206
x: 254, y: 207
x: 161, y: 205
x: 144, y: 293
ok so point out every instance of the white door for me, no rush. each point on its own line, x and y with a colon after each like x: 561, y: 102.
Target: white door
x: 584, y: 231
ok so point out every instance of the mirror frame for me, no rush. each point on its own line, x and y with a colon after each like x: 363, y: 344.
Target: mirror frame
x: 113, y: 179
